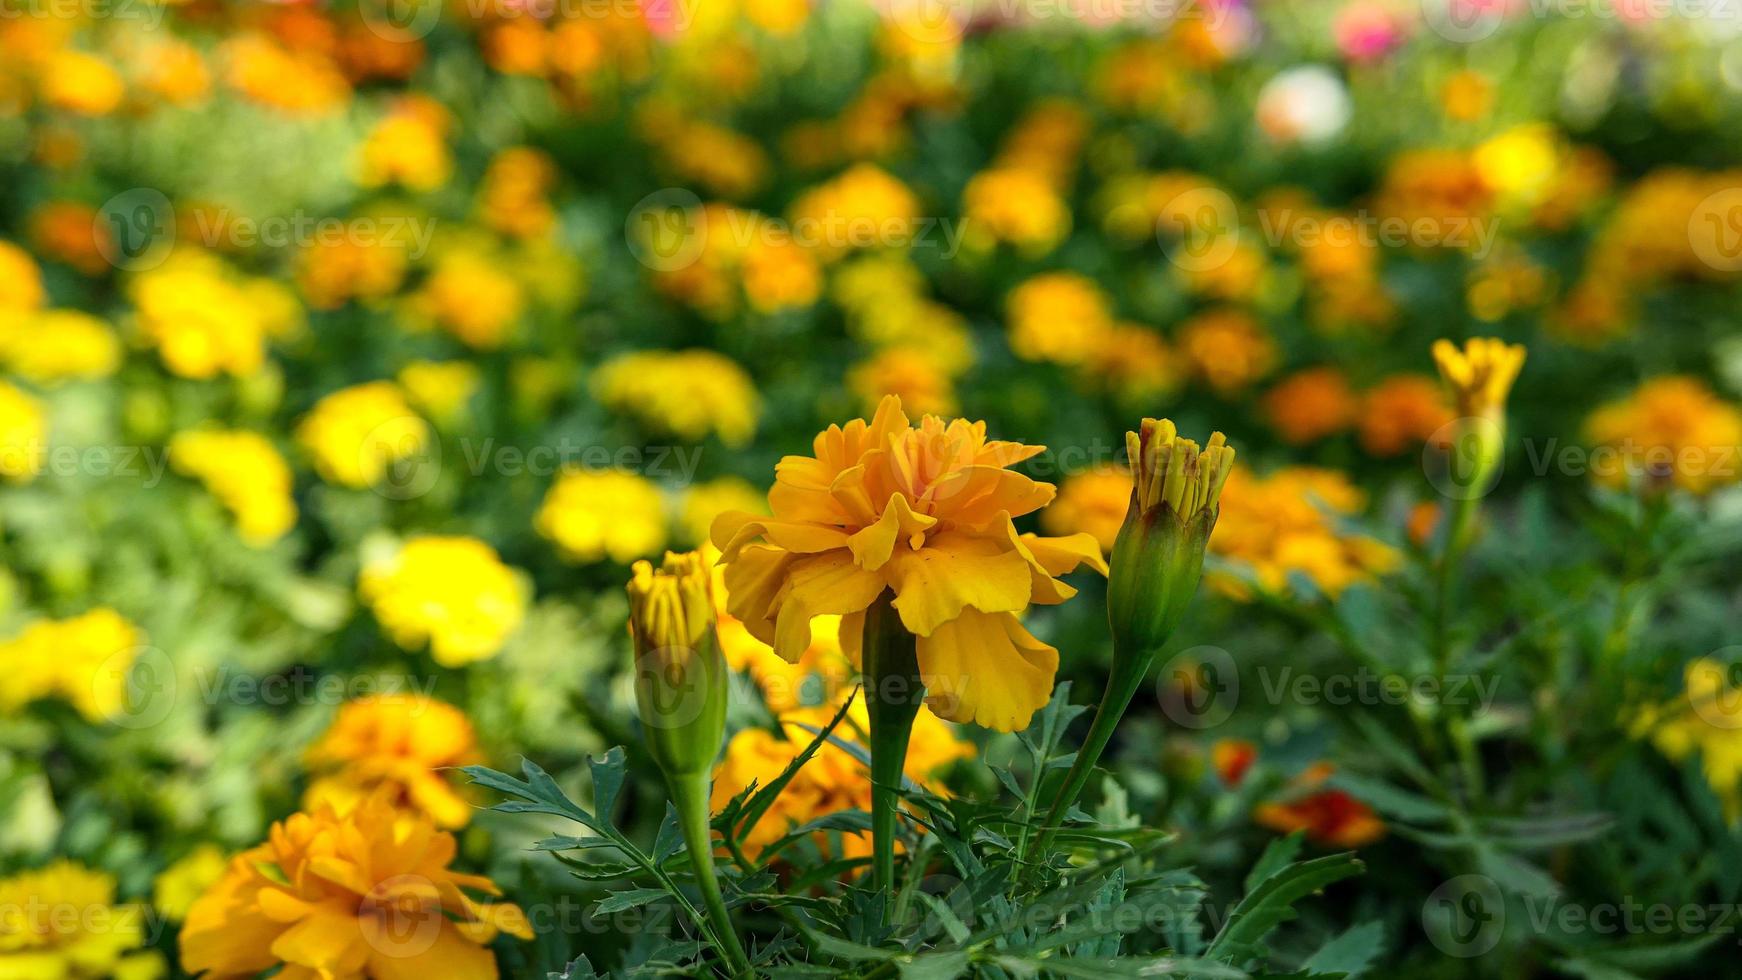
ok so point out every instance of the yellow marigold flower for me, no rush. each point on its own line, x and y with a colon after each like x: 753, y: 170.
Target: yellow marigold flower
x: 452, y: 592
x: 924, y: 512
x: 364, y: 894
x: 910, y: 374
x: 83, y: 660
x: 1480, y: 375
x: 174, y: 71
x: 1466, y: 95
x: 729, y: 164
x: 1309, y: 405
x: 833, y: 780
x: 1091, y: 502
x: 1060, y: 317
x: 595, y: 514
x: 680, y: 673
x: 703, y: 502
x: 472, y: 297
x: 201, y: 318
x: 1520, y: 164
x: 782, y: 17
x: 407, y: 148
x: 1672, y: 429
x: 1287, y: 524
x: 20, y: 280
x: 514, y: 198
x: 440, y: 388
x: 332, y: 273
x: 1227, y: 348
x: 399, y: 742
x: 863, y: 207
x: 687, y: 393
x: 1402, y: 412
x: 303, y: 81
x: 1136, y: 364
x: 62, y: 921
x: 246, y: 473
x: 355, y: 434
x: 82, y: 83
x: 175, y: 890
x: 23, y: 434
x: 58, y: 345
x: 1442, y: 188
x: 780, y: 275
x: 917, y: 323
x: 1015, y: 205
x: 1706, y: 718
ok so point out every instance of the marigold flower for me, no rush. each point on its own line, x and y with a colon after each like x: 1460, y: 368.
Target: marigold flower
x: 440, y: 388
x: 332, y: 273
x: 452, y: 592
x: 1480, y: 375
x: 201, y: 317
x: 356, y: 433
x: 23, y: 434
x: 1705, y: 718
x: 74, y: 233
x: 594, y: 514
x: 1402, y: 412
x: 471, y: 296
x: 58, y: 345
x: 20, y: 280
x: 367, y: 893
x: 514, y: 197
x: 1671, y: 429
x: 684, y: 393
x: 1015, y: 205
x: 398, y: 742
x: 680, y: 673
x: 1227, y: 349
x: 1231, y: 758
x: 1330, y: 816
x: 180, y: 884
x: 864, y: 206
x: 1309, y: 405
x: 406, y: 148
x: 82, y: 83
x: 923, y: 512
x: 1060, y: 317
x: 910, y: 374
x: 246, y: 473
x: 1286, y: 524
x: 83, y: 660
x: 62, y: 921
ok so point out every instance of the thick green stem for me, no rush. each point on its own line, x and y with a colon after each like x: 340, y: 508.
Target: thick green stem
x: 689, y: 793
x: 1128, y: 674
x: 893, y: 694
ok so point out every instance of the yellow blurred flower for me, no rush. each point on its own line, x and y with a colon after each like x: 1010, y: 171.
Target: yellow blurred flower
x: 331, y: 273
x: 703, y: 502
x: 1480, y: 374
x: 1288, y: 524
x: 440, y: 388
x: 83, y: 83
x: 1467, y: 95
x: 453, y: 593
x: 1017, y: 206
x: 1706, y: 718
x: 63, y: 922
x: 864, y: 207
x: 1060, y: 317
x: 724, y: 162
x: 20, y: 280
x: 514, y: 197
x: 174, y: 71
x: 407, y: 148
x: 1519, y: 165
x: 594, y: 514
x: 365, y: 894
x: 176, y: 888
x: 1310, y: 405
x: 399, y: 742
x: 472, y: 296
x: 1671, y: 429
x: 246, y: 473
x: 302, y: 82
x: 83, y: 660
x: 58, y: 345
x: 201, y: 316
x: 1227, y: 349
x: 687, y: 394
x: 1401, y: 413
x: 910, y: 373
x: 1092, y: 502
x: 23, y: 434
x: 355, y: 434
x: 925, y: 512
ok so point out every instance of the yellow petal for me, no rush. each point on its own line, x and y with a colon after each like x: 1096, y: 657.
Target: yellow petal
x: 1062, y: 555
x: 872, y: 547
x: 985, y: 668
x: 952, y: 572
x: 753, y: 582
x: 735, y: 529
x: 823, y: 585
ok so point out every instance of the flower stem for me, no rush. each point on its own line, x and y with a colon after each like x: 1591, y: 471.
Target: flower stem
x: 893, y: 692
x: 689, y: 793
x: 1127, y: 676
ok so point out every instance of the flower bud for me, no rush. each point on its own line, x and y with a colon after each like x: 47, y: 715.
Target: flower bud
x: 680, y: 674
x: 1159, y: 554
x: 1479, y: 377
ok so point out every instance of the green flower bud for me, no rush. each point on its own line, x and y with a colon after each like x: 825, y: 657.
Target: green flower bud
x: 680, y: 674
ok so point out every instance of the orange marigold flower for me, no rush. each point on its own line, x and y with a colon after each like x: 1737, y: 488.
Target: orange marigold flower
x: 1402, y: 412
x: 924, y: 512
x: 396, y: 742
x: 1330, y: 817
x: 1232, y: 757
x: 366, y: 893
x: 1309, y: 405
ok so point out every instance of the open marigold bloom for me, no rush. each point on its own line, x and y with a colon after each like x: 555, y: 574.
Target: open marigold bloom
x: 366, y: 894
x: 680, y: 674
x: 398, y: 742
x: 924, y: 512
x: 1330, y: 817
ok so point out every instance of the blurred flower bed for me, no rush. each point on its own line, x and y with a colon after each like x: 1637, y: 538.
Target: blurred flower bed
x: 352, y: 353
